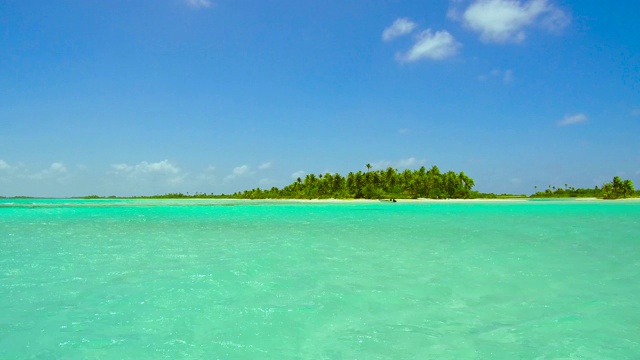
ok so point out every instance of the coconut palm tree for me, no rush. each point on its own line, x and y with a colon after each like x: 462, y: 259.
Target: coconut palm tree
x: 627, y: 188
x: 617, y: 186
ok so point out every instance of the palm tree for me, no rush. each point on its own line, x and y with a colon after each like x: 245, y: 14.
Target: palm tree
x: 467, y: 184
x: 627, y: 188
x: 617, y: 186
x: 358, y: 184
x: 389, y: 178
x: 377, y: 184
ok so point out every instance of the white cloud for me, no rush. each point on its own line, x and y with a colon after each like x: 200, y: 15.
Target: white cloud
x: 382, y: 164
x: 401, y: 26
x: 146, y: 171
x: 241, y: 170
x: 145, y: 167
x: 147, y: 177
x: 298, y: 174
x: 4, y: 166
x: 6, y: 171
x: 402, y: 163
x: 55, y: 170
x: 429, y: 45
x: 199, y: 4
x: 410, y: 162
x: 505, y: 75
x: 159, y: 167
x: 121, y: 167
x: 265, y: 166
x: 503, y: 21
x: 57, y: 167
x: 555, y: 19
x: 572, y: 119
x: 19, y: 171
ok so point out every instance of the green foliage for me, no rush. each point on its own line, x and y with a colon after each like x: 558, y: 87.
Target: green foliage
x: 408, y: 184
x: 616, y: 189
x: 373, y: 184
x: 568, y: 192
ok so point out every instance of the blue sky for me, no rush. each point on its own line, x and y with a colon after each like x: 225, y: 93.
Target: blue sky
x: 113, y: 97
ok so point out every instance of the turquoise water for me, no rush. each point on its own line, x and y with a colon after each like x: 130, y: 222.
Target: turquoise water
x: 256, y: 280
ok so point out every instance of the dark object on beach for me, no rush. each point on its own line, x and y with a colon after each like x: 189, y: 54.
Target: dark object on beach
x: 388, y: 200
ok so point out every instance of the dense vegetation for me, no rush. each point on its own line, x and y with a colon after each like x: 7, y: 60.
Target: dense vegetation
x: 377, y: 184
x: 407, y: 184
x: 616, y: 189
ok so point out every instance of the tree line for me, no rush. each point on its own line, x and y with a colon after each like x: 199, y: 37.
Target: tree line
x: 616, y: 189
x: 376, y: 184
x: 407, y: 184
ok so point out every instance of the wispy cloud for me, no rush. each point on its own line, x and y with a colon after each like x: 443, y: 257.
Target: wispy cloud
x: 402, y: 163
x: 401, y: 26
x: 572, y: 119
x: 382, y: 164
x: 199, y: 4
x: 55, y: 170
x: 265, y: 166
x: 505, y: 75
x: 4, y: 166
x: 298, y: 174
x: 239, y: 171
x: 149, y: 172
x: 437, y: 45
x: 208, y: 176
x: 121, y: 168
x: 144, y: 167
x: 57, y: 167
x: 503, y: 21
x: 410, y: 162
x: 7, y: 171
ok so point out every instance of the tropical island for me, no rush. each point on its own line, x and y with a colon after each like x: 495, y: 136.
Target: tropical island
x: 616, y: 189
x: 391, y: 184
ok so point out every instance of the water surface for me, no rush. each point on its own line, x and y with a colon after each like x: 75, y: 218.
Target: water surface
x: 141, y: 279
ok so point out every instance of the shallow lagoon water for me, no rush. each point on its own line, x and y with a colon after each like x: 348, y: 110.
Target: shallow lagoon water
x: 140, y: 279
